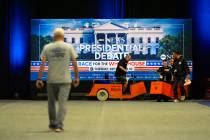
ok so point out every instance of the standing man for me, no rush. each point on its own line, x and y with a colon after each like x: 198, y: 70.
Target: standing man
x: 121, y: 71
x: 58, y: 55
x: 181, y: 73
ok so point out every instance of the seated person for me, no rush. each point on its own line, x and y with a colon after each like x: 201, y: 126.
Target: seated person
x: 121, y: 71
x: 165, y: 75
x: 165, y: 72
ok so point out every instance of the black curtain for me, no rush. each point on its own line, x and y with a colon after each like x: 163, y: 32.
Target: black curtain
x: 4, y: 51
x: 157, y: 9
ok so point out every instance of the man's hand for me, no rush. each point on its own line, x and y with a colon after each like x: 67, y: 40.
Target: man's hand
x: 76, y: 79
x: 76, y: 82
x: 187, y: 77
x: 172, y: 78
x: 187, y: 80
x: 39, y: 84
x: 167, y: 70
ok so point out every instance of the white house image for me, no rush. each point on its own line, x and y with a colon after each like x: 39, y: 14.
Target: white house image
x: 110, y: 33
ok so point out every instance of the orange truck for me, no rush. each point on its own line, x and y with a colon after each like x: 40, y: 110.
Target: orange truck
x: 166, y: 89
x: 107, y: 89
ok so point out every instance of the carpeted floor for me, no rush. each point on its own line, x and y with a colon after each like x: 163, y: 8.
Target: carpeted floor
x: 110, y: 120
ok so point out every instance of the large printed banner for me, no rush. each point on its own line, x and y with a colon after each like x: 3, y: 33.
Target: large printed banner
x: 101, y: 43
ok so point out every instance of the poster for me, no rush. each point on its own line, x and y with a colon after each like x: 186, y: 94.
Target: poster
x: 101, y: 43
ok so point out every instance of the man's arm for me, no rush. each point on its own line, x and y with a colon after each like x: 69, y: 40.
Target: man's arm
x: 121, y: 67
x: 76, y: 77
x: 160, y: 70
x: 74, y: 56
x: 186, y: 69
x: 39, y: 82
x: 121, y: 64
x: 41, y: 68
x: 74, y: 60
x: 171, y: 73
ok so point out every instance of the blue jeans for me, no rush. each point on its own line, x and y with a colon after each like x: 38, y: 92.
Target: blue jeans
x: 61, y: 93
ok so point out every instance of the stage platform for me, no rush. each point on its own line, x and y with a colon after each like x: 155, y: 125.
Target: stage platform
x: 110, y: 120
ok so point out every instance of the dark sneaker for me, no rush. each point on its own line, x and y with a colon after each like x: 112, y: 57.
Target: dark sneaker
x: 52, y: 127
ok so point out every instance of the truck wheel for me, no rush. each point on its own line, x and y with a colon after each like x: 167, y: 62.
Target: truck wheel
x: 102, y: 95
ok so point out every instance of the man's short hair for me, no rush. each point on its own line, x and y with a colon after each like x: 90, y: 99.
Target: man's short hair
x: 164, y: 60
x: 58, y: 32
x: 128, y: 55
